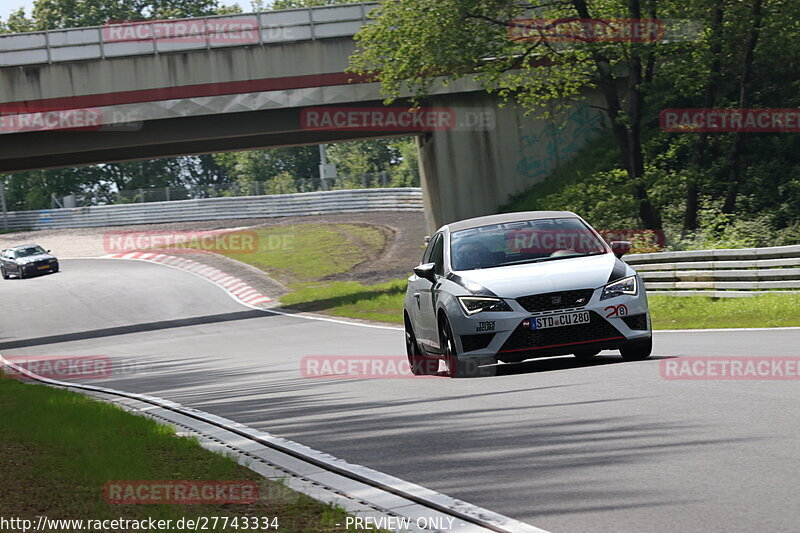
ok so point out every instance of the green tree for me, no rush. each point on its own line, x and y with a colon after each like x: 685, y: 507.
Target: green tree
x: 52, y: 14
x: 291, y: 4
x: 413, y: 40
x: 17, y: 23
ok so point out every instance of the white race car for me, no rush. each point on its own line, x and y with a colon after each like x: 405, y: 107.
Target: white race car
x: 518, y: 286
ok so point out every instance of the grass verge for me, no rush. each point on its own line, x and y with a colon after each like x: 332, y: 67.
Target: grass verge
x: 696, y: 312
x: 305, y: 253
x: 385, y: 303
x: 12, y: 231
x: 60, y: 448
x: 303, y: 256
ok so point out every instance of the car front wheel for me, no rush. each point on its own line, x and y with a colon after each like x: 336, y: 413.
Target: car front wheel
x: 456, y: 368
x: 4, y: 273
x: 636, y: 350
x: 419, y: 363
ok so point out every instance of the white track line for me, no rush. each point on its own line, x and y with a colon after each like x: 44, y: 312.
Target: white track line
x: 477, y: 516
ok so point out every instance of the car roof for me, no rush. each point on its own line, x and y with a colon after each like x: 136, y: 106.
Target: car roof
x: 506, y: 218
x: 21, y: 246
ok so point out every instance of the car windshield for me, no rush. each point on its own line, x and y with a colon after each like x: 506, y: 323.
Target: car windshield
x: 32, y: 250
x: 523, y: 242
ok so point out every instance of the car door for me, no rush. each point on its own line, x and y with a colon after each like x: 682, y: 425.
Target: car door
x: 5, y: 259
x: 13, y: 262
x: 427, y: 299
x: 414, y: 285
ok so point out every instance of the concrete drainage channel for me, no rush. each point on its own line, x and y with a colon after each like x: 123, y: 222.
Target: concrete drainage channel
x: 386, y: 501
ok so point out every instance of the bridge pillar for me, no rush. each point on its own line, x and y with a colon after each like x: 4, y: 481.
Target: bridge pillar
x: 477, y: 166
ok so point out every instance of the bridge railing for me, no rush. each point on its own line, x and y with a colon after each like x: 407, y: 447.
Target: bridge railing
x: 281, y: 205
x: 720, y: 273
x: 154, y: 37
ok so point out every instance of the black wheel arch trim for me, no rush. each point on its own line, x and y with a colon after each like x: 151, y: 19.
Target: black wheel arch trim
x: 474, y: 288
x: 619, y: 271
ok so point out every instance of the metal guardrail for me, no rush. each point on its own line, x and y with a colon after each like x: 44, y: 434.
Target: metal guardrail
x: 101, y: 42
x: 720, y: 273
x: 298, y: 204
x: 368, y: 180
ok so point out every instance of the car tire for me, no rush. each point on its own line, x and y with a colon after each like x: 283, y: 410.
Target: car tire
x: 21, y: 273
x: 456, y: 368
x: 54, y: 270
x: 636, y: 350
x: 420, y: 364
x: 4, y: 273
x: 585, y: 355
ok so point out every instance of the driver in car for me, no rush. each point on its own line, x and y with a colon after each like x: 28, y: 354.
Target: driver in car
x: 472, y: 255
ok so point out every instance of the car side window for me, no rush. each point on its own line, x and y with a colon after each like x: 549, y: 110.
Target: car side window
x: 437, y: 255
x: 426, y: 257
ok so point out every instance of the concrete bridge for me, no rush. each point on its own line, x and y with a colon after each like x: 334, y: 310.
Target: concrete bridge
x: 270, y: 79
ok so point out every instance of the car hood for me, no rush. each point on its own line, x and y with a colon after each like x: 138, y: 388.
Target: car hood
x: 33, y: 258
x: 549, y: 276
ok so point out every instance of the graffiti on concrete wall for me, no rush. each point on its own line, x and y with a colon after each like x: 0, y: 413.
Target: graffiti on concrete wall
x: 560, y: 142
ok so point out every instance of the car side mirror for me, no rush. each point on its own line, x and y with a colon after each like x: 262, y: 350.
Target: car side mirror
x: 48, y: 251
x: 426, y: 271
x: 620, y: 248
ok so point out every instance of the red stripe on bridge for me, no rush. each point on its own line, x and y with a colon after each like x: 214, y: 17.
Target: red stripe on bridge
x: 183, y: 91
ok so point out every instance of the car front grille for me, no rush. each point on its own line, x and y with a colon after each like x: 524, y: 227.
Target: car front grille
x: 636, y: 321
x: 555, y: 300
x: 598, y: 329
x: 476, y: 342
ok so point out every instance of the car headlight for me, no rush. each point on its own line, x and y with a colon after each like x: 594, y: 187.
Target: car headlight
x: 620, y: 287
x: 477, y: 304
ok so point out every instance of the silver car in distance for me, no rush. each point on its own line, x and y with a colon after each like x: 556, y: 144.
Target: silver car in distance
x: 519, y: 286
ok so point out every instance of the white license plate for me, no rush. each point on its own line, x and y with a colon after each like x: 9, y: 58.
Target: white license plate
x: 558, y: 321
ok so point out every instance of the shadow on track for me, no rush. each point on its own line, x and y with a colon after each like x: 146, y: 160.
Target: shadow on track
x: 133, y: 328
x: 567, y: 362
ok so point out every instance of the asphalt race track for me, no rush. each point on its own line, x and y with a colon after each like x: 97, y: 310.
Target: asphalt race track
x: 610, y: 446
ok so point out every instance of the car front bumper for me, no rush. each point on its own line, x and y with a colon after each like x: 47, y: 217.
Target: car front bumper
x: 502, y: 335
x: 34, y: 268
